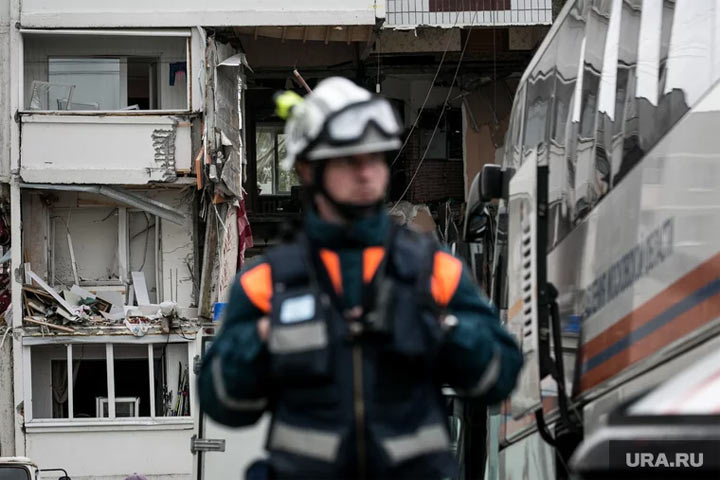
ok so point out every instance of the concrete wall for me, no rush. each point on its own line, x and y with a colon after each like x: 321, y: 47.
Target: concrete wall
x: 5, y: 115
x: 7, y: 415
x: 176, y: 247
x: 173, y: 13
x: 102, y: 149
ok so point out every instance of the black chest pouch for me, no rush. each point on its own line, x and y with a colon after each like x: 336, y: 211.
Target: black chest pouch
x: 300, y: 339
x: 398, y: 301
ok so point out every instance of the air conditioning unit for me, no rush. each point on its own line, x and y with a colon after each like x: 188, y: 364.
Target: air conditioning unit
x: 124, y: 407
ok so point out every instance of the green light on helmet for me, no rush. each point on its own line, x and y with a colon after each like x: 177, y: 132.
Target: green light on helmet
x: 284, y: 103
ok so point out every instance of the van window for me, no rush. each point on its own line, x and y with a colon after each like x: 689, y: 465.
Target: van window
x: 513, y: 147
x: 569, y: 41
x: 624, y: 152
x: 583, y: 157
x: 690, y: 50
x: 14, y: 473
x: 540, y: 85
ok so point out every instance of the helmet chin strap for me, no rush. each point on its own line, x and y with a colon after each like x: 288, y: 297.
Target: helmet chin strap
x: 349, y: 211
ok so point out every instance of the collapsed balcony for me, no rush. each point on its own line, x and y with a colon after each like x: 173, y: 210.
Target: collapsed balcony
x: 108, y: 265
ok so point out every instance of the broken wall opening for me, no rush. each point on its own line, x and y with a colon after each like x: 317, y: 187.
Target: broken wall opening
x: 87, y: 246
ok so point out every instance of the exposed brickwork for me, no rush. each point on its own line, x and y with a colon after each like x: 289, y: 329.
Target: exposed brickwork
x: 436, y: 180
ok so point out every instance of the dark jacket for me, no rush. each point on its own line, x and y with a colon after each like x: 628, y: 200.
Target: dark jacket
x: 362, y: 405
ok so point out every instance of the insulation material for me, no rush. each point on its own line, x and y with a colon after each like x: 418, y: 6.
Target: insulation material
x: 163, y: 141
x: 228, y: 255
x: 210, y: 269
x: 244, y: 234
x: 222, y: 117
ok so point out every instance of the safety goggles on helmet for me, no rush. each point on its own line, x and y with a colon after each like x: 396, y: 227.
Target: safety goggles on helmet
x: 351, y: 123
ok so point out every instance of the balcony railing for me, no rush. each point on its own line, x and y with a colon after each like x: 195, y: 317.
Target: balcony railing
x: 447, y: 13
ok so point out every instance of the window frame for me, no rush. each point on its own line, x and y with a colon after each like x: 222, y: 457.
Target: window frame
x: 111, y: 420
x: 183, y: 33
x: 277, y: 129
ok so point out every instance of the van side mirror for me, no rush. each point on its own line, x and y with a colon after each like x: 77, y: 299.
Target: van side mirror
x: 64, y: 477
x: 494, y: 182
x: 475, y: 220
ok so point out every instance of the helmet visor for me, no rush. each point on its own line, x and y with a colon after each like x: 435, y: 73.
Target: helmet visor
x: 350, y: 124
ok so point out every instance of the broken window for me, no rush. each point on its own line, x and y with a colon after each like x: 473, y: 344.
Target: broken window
x: 110, y: 380
x: 444, y: 142
x: 72, y: 72
x: 270, y: 148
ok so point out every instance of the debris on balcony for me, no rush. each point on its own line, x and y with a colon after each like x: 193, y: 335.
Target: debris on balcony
x: 79, y: 310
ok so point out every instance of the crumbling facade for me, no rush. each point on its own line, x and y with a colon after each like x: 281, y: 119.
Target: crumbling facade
x: 139, y: 155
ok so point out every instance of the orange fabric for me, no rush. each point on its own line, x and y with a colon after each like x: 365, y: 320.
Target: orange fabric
x: 257, y: 283
x: 372, y: 256
x: 445, y: 278
x: 332, y: 265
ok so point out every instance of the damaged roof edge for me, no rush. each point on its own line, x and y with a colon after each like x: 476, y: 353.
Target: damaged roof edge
x: 151, y: 206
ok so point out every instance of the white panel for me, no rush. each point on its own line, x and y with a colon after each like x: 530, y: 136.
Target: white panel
x: 115, y: 454
x: 196, y: 65
x: 531, y: 457
x: 95, y: 149
x: 151, y: 376
x: 170, y: 13
x: 110, y: 363
x: 70, y: 380
x: 242, y: 447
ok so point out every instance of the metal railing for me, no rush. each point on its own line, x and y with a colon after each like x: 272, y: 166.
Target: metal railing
x: 447, y: 13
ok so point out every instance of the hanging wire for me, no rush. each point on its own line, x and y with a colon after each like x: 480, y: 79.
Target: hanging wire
x: 427, y: 95
x: 440, y: 116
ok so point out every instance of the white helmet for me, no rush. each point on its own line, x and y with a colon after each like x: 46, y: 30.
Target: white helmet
x: 337, y: 119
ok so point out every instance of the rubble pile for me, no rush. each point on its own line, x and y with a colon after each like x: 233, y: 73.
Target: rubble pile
x: 78, y: 308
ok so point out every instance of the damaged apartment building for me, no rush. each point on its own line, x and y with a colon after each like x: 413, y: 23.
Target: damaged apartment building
x: 139, y: 155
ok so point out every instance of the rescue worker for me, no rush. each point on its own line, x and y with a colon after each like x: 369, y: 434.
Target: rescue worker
x: 347, y: 334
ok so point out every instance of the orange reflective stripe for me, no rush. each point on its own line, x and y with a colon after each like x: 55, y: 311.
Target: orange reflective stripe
x: 372, y: 256
x: 332, y: 265
x: 257, y: 283
x: 445, y: 278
